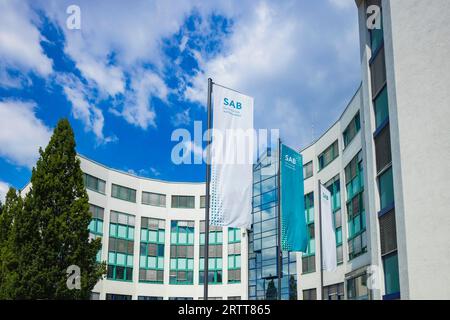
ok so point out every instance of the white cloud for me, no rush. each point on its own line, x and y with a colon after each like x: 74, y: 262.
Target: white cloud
x: 181, y: 118
x: 20, y: 40
x: 289, y: 57
x: 4, y: 187
x: 193, y: 148
x: 116, y: 43
x: 21, y: 132
x: 137, y: 109
x: 155, y: 172
x: 343, y: 4
x: 82, y: 109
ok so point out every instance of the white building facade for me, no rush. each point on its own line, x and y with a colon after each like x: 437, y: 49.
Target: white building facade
x: 391, y: 208
x: 152, y: 234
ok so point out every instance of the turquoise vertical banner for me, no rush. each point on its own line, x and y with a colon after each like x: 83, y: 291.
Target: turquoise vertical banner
x: 294, y: 235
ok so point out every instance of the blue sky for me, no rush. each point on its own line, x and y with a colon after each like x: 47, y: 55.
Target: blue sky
x: 137, y: 70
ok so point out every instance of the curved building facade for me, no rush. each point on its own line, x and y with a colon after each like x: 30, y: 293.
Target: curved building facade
x: 152, y: 239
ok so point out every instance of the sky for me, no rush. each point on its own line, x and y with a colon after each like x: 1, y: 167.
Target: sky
x: 135, y: 71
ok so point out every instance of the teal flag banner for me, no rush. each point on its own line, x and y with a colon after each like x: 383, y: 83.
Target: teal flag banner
x: 294, y: 235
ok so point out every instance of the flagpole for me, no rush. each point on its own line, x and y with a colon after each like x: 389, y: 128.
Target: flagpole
x: 320, y: 237
x: 208, y: 178
x: 280, y: 253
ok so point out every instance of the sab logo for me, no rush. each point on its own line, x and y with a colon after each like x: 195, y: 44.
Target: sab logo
x: 290, y: 159
x: 231, y: 103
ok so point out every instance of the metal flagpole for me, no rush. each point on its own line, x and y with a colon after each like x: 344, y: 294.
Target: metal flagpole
x: 280, y: 253
x: 320, y: 235
x: 208, y: 177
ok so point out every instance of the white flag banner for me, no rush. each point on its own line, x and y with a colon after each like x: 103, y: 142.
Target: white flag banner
x: 231, y: 159
x: 329, y: 261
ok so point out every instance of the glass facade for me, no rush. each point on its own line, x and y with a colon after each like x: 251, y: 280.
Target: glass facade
x: 121, y: 245
x: 309, y: 257
x: 215, y: 255
x: 182, y: 252
x: 96, y: 226
x: 263, y: 257
x: 151, y: 256
x: 383, y: 157
x: 354, y: 179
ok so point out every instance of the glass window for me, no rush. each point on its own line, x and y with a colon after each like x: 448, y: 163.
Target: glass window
x: 154, y: 199
x: 326, y: 157
x: 381, y: 108
x: 386, y: 189
x: 93, y: 183
x: 352, y: 130
x: 123, y: 193
x: 187, y: 202
x: 391, y: 276
x: 202, y: 202
x: 308, y: 170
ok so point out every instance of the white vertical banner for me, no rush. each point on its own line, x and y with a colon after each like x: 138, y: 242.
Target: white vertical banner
x: 329, y: 261
x: 232, y: 151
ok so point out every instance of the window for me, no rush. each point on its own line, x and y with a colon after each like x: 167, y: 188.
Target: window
x: 376, y: 35
x: 121, y: 246
x: 202, y: 202
x: 187, y: 202
x: 391, y: 276
x: 388, y: 233
x: 151, y: 256
x: 214, y: 254
x: 308, y: 258
x: 357, y: 288
x: 182, y: 252
x: 310, y: 294
x: 383, y: 148
x: 123, y: 193
x: 334, y: 187
x: 378, y: 73
x: 309, y: 207
x: 352, y: 129
x: 149, y: 298
x: 96, y: 226
x: 234, y: 255
x: 308, y: 170
x: 94, y: 184
x: 110, y: 296
x: 334, y: 292
x: 326, y: 157
x: 381, y: 108
x: 95, y: 296
x: 354, y: 178
x: 386, y: 189
x: 154, y: 199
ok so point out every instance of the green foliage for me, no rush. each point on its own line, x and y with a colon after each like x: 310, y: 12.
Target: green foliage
x: 292, y: 288
x: 271, y: 292
x: 50, y: 232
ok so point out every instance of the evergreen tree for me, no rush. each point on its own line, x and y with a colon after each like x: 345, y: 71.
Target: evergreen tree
x: 12, y: 208
x: 292, y: 288
x: 271, y: 292
x: 52, y: 232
